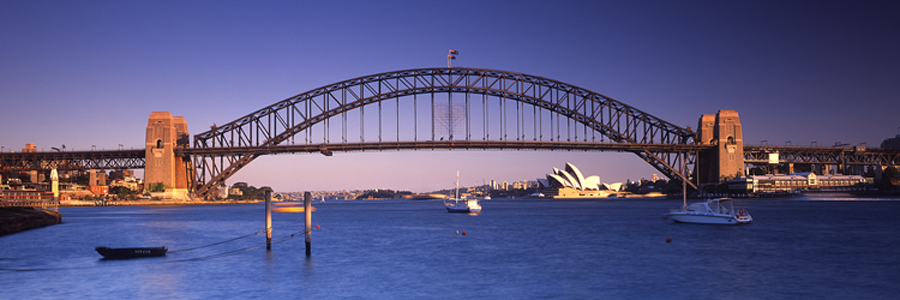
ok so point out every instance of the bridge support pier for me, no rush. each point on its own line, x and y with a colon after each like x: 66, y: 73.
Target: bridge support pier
x: 726, y: 160
x: 307, y: 210
x: 268, y: 220
x: 165, y: 133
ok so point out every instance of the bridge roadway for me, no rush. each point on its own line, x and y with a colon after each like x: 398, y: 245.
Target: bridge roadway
x: 327, y: 149
x: 72, y: 160
x: 858, y: 155
x: 134, y: 159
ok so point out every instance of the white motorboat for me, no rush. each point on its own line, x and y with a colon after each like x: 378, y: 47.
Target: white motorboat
x: 461, y: 205
x: 715, y: 211
x: 535, y: 195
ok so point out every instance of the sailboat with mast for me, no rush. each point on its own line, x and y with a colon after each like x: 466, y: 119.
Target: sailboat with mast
x: 461, y: 205
x: 714, y: 211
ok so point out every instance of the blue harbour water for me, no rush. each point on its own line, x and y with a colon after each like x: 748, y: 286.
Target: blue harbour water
x: 830, y: 247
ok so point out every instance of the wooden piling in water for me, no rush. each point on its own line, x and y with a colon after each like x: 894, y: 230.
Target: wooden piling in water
x: 307, y: 209
x: 268, y: 220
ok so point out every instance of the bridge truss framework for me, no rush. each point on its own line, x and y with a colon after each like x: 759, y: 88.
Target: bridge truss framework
x: 513, y: 107
x: 424, y: 109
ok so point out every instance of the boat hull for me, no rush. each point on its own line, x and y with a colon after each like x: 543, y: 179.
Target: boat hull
x: 699, y: 218
x: 126, y: 253
x: 462, y: 209
x: 463, y: 206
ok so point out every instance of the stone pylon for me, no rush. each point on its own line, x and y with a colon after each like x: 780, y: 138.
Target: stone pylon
x: 165, y: 133
x: 726, y: 159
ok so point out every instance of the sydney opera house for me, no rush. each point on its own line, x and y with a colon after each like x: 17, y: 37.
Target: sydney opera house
x: 571, y: 183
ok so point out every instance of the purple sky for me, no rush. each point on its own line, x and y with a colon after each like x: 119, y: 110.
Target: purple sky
x: 85, y: 73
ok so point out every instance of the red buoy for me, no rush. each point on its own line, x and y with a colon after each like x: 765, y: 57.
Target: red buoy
x: 464, y: 232
x: 317, y: 227
x: 668, y: 240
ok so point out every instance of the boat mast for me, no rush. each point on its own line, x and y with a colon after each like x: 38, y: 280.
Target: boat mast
x: 457, y: 184
x: 684, y: 181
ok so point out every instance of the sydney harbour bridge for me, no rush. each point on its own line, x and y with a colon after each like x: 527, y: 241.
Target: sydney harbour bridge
x: 453, y: 109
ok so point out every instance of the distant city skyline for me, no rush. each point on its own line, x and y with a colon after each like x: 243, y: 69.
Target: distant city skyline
x: 88, y: 74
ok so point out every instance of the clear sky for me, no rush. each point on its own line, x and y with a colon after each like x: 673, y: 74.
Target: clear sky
x: 83, y: 73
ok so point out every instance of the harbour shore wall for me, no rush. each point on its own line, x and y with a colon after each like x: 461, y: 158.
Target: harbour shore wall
x: 17, y: 219
x: 164, y: 202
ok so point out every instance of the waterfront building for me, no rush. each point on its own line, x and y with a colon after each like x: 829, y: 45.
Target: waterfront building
x: 892, y: 143
x: 128, y: 183
x: 571, y: 183
x: 24, y: 197
x: 29, y: 148
x: 222, y: 192
x: 235, y: 191
x: 99, y: 189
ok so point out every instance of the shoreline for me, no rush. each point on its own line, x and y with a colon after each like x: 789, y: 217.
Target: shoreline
x: 18, y: 219
x: 169, y: 202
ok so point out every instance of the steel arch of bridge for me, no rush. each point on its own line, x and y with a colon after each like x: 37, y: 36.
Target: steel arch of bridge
x: 223, y: 150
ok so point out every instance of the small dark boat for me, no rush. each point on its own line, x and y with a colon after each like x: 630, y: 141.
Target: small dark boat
x: 124, y: 253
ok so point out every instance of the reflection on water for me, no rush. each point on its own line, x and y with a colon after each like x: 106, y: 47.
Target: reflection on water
x: 513, y: 249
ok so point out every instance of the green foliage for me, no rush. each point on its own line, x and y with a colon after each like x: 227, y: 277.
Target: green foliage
x: 249, y: 192
x: 379, y: 194
x: 889, y: 177
x: 757, y: 171
x: 673, y: 187
x: 158, y: 187
x: 123, y: 192
x: 890, y: 172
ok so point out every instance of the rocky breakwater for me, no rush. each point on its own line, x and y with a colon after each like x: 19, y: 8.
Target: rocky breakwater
x: 16, y: 219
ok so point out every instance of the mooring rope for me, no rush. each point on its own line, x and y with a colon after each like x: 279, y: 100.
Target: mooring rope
x: 239, y: 251
x: 217, y: 255
x: 219, y: 243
